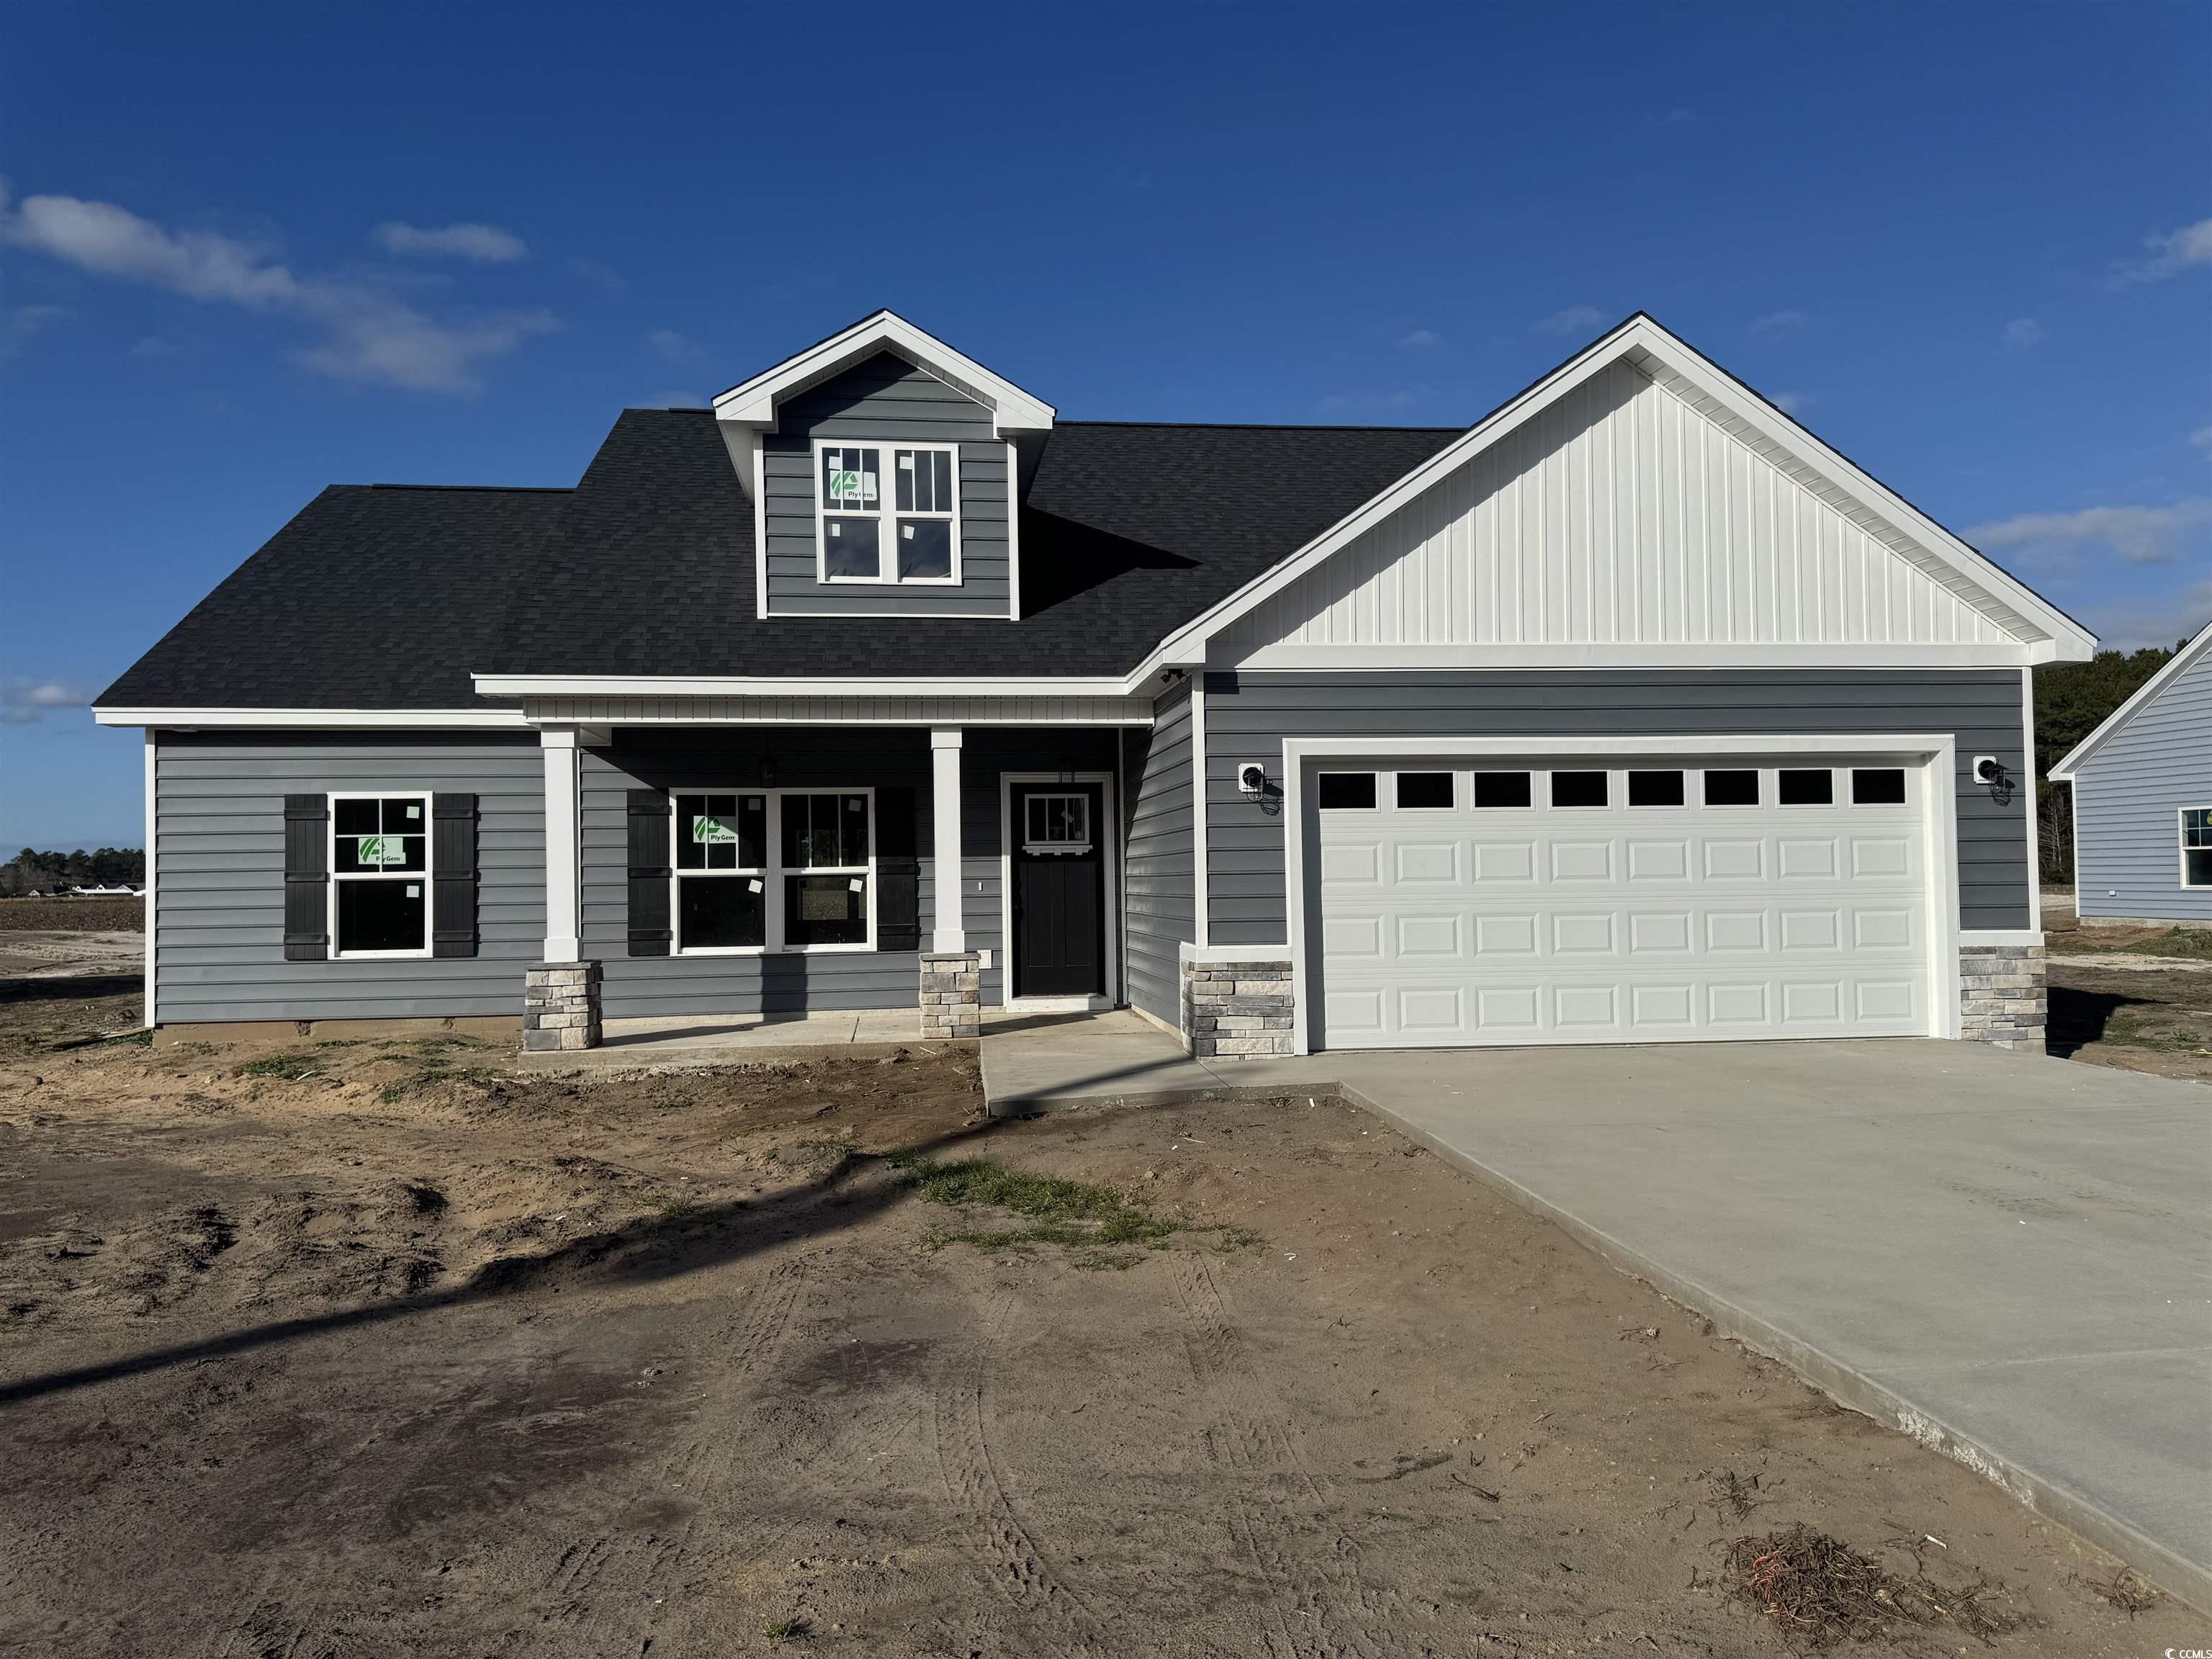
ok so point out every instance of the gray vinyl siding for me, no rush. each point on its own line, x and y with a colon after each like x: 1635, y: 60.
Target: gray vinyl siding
x: 2128, y: 801
x: 219, y: 878
x: 886, y: 400
x: 805, y: 757
x: 1244, y: 843
x: 1160, y: 891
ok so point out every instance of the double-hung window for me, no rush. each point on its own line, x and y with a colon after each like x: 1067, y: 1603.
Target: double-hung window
x: 889, y: 512
x: 2197, y: 847
x: 774, y: 870
x: 380, y: 875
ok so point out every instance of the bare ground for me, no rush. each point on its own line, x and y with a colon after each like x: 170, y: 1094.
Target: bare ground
x: 376, y: 1349
x: 2136, y: 998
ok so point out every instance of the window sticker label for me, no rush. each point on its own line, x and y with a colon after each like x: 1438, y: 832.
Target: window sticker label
x: 379, y: 850
x: 851, y: 489
x: 414, y: 892
x: 712, y: 832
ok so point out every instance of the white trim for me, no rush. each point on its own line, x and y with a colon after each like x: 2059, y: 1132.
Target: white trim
x: 771, y: 874
x: 886, y: 514
x: 1421, y: 658
x: 1119, y: 986
x: 332, y: 720
x: 150, y: 920
x: 738, y: 685
x: 1936, y: 752
x: 332, y: 875
x: 1647, y: 342
x: 558, y: 749
x: 2078, y: 757
x: 2073, y: 816
x: 948, y: 853
x: 1013, y: 532
x: 1110, y: 890
x: 2182, y: 849
x: 753, y: 403
x: 609, y: 712
x: 1201, y: 902
x: 1187, y: 952
x: 2034, y: 799
x: 1985, y: 938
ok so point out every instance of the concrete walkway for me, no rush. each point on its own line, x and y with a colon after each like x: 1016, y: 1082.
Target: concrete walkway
x: 2007, y: 1256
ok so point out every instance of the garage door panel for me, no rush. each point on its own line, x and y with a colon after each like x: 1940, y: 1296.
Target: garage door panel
x: 1619, y: 923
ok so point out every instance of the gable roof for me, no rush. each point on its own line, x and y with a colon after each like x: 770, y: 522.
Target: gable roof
x: 753, y: 403
x: 2047, y: 632
x: 373, y: 597
x: 2145, y: 694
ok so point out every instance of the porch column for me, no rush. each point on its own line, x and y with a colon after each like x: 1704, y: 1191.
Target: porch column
x: 949, y: 935
x: 558, y: 746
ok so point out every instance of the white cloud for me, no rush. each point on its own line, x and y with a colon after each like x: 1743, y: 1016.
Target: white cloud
x: 2202, y: 439
x: 485, y: 244
x: 2134, y: 624
x: 22, y: 703
x: 369, y: 334
x: 1575, y: 320
x: 22, y: 323
x: 672, y: 345
x: 2171, y: 252
x: 1775, y: 324
x: 1422, y: 339
x: 1793, y: 403
x: 2022, y: 332
x: 2141, y: 535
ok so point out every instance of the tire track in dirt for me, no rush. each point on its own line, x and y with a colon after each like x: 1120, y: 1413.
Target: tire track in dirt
x: 1016, y: 1567
x: 1283, y: 1520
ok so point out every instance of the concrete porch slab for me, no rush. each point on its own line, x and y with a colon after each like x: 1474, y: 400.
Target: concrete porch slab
x: 690, y: 1042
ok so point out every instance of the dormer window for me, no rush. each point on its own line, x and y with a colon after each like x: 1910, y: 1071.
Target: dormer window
x: 889, y: 512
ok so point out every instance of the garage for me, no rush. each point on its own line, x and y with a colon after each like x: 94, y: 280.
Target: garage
x: 1470, y: 900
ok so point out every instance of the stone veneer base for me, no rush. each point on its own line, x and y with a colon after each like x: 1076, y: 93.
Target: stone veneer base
x: 951, y: 995
x: 1239, y: 1009
x: 561, y: 1006
x: 2004, y: 996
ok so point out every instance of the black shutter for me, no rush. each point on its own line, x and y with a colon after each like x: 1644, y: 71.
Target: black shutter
x: 898, y: 873
x: 454, y: 875
x: 649, y: 931
x: 307, y: 872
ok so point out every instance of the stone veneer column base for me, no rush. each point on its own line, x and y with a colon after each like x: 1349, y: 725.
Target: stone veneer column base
x: 1233, y: 1009
x: 2004, y: 996
x: 561, y: 1006
x: 951, y: 994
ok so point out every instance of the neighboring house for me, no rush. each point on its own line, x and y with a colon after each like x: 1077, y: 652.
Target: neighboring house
x: 2142, y: 799
x: 1631, y: 712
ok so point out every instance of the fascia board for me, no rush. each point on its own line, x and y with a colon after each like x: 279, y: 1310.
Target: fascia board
x: 2078, y: 755
x: 379, y: 719
x: 754, y: 402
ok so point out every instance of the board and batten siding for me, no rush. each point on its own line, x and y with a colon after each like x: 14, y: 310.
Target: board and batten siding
x: 219, y: 891
x: 2128, y: 799
x: 804, y: 757
x: 1159, y: 892
x: 885, y: 400
x: 1244, y: 843
x: 1619, y: 516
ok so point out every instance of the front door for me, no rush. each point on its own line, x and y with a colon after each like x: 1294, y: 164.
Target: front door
x: 1059, y: 889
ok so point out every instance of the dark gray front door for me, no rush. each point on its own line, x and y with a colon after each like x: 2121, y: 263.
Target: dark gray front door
x: 1059, y: 889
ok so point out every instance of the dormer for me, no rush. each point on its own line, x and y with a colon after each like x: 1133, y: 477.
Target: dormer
x: 883, y: 467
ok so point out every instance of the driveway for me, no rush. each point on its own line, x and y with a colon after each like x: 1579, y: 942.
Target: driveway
x: 2010, y: 1256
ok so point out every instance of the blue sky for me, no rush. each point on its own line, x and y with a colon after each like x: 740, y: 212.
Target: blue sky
x: 248, y: 251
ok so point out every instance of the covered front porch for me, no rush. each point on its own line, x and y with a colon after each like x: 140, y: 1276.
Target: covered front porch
x: 740, y: 873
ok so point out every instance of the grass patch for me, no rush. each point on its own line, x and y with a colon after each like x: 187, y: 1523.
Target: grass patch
x: 1111, y: 1232
x: 290, y: 1068
x: 786, y: 1630
x: 2188, y: 944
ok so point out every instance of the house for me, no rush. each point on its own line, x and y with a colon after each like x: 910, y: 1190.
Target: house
x: 2142, y: 799
x: 1630, y: 712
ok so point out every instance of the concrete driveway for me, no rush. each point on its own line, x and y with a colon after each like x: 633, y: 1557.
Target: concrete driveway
x: 2008, y: 1256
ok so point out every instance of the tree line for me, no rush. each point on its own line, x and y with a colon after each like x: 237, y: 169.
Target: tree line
x: 2072, y: 700
x: 31, y: 870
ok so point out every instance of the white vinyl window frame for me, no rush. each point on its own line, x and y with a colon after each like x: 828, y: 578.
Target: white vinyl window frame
x: 2203, y: 843
x: 771, y: 873
x: 885, y: 513
x: 332, y: 876
x: 1079, y: 803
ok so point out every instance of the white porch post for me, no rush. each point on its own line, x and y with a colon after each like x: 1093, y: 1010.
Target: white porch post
x: 944, y: 795
x: 562, y: 930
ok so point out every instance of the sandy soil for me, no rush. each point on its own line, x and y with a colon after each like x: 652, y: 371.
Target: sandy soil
x: 73, y: 914
x: 2115, y: 1002
x: 378, y: 1349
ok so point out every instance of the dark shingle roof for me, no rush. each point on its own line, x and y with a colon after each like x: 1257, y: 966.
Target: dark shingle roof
x: 375, y: 596
x: 389, y: 598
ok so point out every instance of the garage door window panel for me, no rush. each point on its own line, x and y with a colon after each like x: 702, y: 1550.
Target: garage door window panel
x: 1655, y: 788
x: 1581, y: 789
x: 1346, y: 791
x: 1805, y: 786
x: 1496, y: 791
x: 1878, y: 785
x: 1424, y: 792
x: 1732, y: 787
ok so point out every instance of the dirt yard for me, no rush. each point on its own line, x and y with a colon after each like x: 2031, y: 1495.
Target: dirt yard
x: 375, y: 1349
x: 2138, y: 998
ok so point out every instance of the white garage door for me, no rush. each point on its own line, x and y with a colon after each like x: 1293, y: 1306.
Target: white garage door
x: 1469, y: 903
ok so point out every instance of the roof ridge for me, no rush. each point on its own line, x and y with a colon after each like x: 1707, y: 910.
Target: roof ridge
x: 1263, y: 426
x: 492, y: 489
